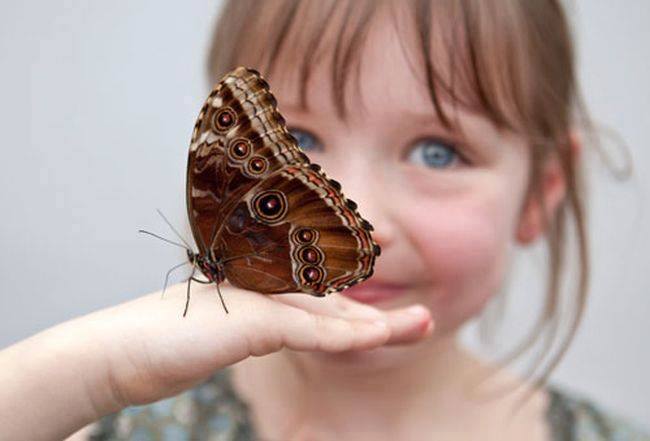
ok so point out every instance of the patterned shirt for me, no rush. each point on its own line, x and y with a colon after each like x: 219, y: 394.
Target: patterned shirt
x: 213, y: 412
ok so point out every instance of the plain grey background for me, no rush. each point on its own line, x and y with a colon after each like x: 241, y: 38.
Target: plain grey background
x: 97, y: 102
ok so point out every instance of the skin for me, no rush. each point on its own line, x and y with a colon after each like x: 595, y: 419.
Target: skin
x: 330, y: 370
x: 143, y: 350
x: 446, y: 232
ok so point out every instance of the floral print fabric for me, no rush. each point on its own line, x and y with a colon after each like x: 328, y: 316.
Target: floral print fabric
x: 213, y: 412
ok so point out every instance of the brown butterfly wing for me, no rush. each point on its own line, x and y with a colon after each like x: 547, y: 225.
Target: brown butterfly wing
x: 299, y: 233
x: 238, y: 140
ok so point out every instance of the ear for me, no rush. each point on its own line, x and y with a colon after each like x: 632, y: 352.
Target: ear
x: 553, y: 191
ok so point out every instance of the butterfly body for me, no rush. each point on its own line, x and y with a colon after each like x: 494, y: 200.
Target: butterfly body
x: 211, y: 267
x: 263, y: 216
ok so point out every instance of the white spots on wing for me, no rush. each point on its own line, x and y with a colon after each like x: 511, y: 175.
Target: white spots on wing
x: 198, y: 193
x: 211, y: 138
x: 217, y: 101
x: 204, y: 137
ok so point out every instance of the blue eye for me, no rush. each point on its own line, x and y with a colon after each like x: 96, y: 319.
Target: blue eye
x: 306, y: 140
x: 433, y: 153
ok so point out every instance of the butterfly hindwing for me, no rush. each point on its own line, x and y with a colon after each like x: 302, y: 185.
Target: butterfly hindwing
x: 298, y: 233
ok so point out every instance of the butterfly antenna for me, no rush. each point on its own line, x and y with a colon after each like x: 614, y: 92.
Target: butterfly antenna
x: 222, y: 302
x: 167, y: 277
x: 163, y: 239
x: 172, y: 228
x: 187, y: 302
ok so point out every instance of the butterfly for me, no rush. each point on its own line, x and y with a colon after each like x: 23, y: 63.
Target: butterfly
x: 262, y: 215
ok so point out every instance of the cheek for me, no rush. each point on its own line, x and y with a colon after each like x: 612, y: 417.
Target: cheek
x: 464, y: 245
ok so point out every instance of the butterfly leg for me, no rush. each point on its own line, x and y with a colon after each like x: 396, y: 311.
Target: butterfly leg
x: 189, y: 281
x: 222, y: 302
x: 167, y: 277
x: 205, y: 282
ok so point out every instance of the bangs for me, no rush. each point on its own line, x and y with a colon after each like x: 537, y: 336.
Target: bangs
x: 290, y: 38
x: 470, y: 54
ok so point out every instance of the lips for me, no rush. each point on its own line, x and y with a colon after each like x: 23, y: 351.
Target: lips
x: 374, y: 292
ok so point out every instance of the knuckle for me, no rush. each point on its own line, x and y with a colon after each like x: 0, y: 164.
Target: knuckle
x: 264, y: 338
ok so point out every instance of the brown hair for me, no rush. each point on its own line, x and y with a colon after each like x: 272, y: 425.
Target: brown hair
x: 512, y: 60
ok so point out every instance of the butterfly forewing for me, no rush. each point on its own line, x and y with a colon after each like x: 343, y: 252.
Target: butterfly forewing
x: 239, y: 139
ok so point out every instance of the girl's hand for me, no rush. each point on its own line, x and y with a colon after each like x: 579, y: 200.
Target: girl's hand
x: 144, y: 350
x: 155, y: 352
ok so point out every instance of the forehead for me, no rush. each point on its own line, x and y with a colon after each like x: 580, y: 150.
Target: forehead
x: 365, y: 55
x: 385, y: 74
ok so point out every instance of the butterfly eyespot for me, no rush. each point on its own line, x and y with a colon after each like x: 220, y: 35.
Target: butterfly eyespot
x: 311, y: 255
x: 311, y: 274
x: 257, y: 165
x: 351, y: 204
x: 224, y: 119
x: 240, y: 148
x: 305, y: 236
x: 270, y: 205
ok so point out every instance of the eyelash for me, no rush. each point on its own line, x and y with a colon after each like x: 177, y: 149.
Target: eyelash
x: 456, y: 159
x: 317, y: 145
x: 297, y: 132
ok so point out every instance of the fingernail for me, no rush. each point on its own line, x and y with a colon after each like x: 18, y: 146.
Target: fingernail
x: 429, y: 329
x: 381, y: 324
x: 417, y: 310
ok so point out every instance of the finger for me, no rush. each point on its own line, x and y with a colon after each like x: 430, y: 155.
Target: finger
x: 333, y: 305
x: 406, y: 324
x: 409, y: 325
x: 305, y: 331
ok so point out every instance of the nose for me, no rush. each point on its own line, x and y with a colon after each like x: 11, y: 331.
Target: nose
x: 365, y: 183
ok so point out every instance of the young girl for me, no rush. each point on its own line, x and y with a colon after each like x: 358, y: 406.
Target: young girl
x: 453, y: 125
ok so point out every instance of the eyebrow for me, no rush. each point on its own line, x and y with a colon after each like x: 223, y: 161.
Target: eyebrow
x: 425, y: 114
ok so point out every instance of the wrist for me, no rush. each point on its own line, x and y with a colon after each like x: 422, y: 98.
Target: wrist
x: 55, y: 382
